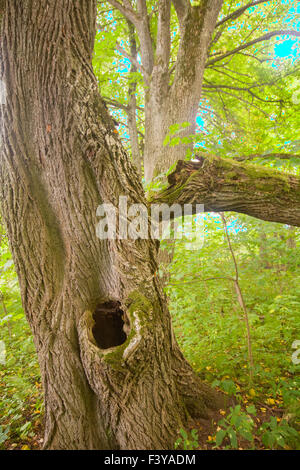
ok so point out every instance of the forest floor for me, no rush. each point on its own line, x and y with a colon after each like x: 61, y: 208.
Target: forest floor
x: 208, y: 429
x: 29, y: 429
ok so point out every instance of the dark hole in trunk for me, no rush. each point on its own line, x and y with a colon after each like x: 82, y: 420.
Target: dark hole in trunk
x: 108, y: 330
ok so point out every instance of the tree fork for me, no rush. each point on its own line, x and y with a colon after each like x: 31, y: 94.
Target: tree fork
x: 60, y: 159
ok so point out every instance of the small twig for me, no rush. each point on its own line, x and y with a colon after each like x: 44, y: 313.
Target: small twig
x: 240, y: 297
x: 6, y: 314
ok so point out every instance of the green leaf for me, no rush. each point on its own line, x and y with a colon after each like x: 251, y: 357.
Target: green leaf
x: 251, y: 410
x: 233, y: 438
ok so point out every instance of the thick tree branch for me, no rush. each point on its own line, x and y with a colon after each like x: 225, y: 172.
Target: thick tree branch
x: 181, y: 8
x: 199, y: 24
x: 265, y: 37
x: 224, y: 185
x: 270, y: 156
x: 132, y: 105
x: 141, y: 22
x: 143, y: 29
x: 163, y: 42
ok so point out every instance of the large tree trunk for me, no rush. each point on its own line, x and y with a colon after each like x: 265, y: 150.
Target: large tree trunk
x: 107, y: 384
x: 175, y: 100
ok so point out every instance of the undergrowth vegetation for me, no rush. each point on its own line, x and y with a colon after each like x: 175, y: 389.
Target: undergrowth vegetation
x: 210, y: 326
x: 21, y: 400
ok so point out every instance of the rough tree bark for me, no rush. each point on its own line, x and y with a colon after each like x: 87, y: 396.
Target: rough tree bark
x: 112, y: 372
x: 132, y: 106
